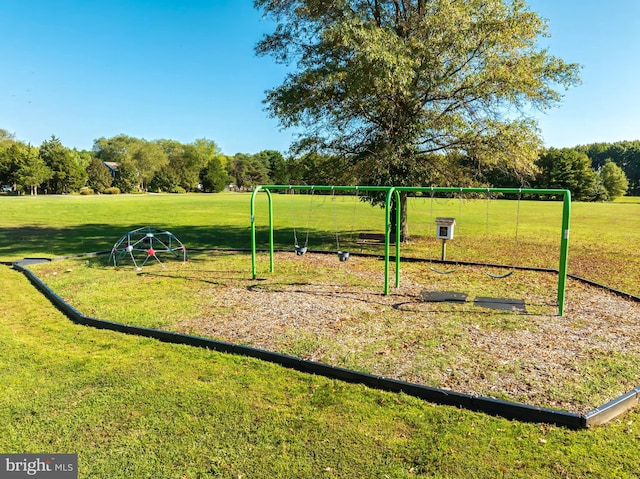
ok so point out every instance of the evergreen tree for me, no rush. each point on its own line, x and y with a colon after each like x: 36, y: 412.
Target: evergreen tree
x: 99, y: 176
x: 214, y: 177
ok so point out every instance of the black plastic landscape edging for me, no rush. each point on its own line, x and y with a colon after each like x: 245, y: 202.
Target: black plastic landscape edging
x: 617, y: 292
x: 495, y: 407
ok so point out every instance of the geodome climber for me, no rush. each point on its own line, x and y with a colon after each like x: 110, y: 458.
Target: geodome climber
x: 147, y: 243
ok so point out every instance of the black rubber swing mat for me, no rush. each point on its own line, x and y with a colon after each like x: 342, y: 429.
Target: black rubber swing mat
x: 443, y: 297
x: 500, y: 303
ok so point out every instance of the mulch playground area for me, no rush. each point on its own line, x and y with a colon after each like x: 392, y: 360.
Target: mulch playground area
x: 434, y: 330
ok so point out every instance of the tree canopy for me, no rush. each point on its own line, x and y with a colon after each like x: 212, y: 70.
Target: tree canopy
x: 625, y: 154
x: 388, y: 84
x: 394, y: 80
x: 98, y: 176
x: 613, y: 180
x: 66, y: 165
x: 570, y: 169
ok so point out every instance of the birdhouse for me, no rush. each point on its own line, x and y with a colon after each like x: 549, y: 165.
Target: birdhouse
x: 444, y: 228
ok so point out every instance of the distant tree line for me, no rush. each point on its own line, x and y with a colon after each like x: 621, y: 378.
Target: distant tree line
x: 594, y: 172
x: 127, y: 164
x: 598, y: 172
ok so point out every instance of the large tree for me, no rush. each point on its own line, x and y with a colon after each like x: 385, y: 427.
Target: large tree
x: 567, y: 168
x: 137, y: 160
x: 625, y: 154
x: 248, y: 170
x: 214, y: 176
x: 183, y: 168
x: 278, y: 171
x: 32, y: 172
x: 22, y: 167
x: 66, y: 165
x: 99, y: 176
x: 390, y: 86
x: 613, y: 180
x: 6, y: 163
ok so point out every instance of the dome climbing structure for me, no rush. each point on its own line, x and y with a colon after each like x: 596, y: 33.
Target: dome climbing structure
x: 142, y: 245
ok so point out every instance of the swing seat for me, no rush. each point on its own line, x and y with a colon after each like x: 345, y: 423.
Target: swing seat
x: 439, y: 271
x: 300, y: 250
x: 499, y: 276
x: 343, y: 255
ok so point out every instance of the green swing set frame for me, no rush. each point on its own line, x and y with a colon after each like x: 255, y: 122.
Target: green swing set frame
x: 393, y: 193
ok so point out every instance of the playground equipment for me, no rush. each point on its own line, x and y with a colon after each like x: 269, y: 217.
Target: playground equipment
x: 564, y: 232
x: 143, y: 244
x: 268, y: 188
x: 301, y: 250
x: 343, y: 255
x: 394, y: 193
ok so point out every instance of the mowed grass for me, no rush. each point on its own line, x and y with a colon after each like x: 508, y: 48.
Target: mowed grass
x: 604, y: 238
x: 134, y: 407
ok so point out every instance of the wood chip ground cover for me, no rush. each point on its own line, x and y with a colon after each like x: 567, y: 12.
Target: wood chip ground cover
x: 335, y: 312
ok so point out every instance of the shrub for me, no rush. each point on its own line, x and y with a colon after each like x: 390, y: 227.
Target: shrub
x: 114, y: 190
x: 86, y: 191
x: 178, y: 189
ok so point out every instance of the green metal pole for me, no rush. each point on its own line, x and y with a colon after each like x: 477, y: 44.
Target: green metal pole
x: 254, y: 269
x: 387, y: 236
x: 564, y: 251
x: 398, y: 235
x: 253, y: 232
x: 271, y: 265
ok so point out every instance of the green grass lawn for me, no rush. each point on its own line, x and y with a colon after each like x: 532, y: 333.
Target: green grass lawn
x: 628, y: 199
x: 133, y: 407
x: 321, y: 309
x: 603, y: 241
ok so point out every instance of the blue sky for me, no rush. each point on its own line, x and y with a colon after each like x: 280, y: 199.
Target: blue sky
x: 603, y: 36
x: 83, y: 69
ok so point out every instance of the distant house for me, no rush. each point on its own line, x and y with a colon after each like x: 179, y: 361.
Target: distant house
x: 112, y: 166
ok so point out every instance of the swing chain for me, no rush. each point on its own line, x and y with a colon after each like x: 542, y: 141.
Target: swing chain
x: 515, y: 247
x: 306, y: 240
x: 342, y: 255
x: 300, y: 250
x: 353, y: 219
x: 293, y: 217
x: 335, y: 219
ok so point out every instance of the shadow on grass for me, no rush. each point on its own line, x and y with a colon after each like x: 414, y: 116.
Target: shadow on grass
x: 24, y: 241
